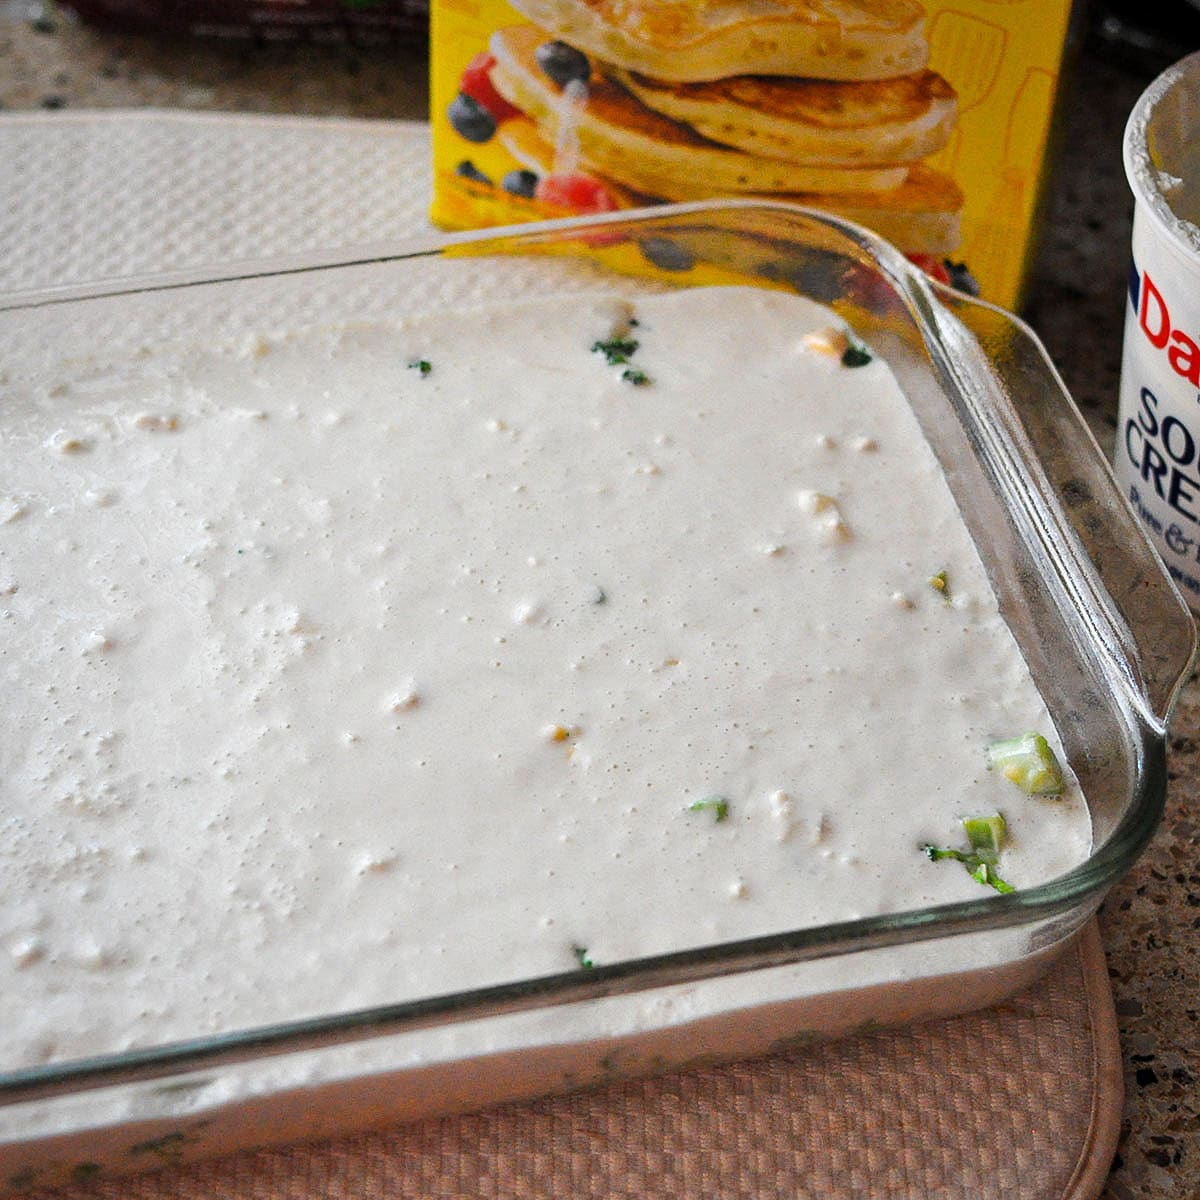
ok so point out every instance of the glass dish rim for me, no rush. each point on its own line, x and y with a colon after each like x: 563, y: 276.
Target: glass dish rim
x: 1084, y: 883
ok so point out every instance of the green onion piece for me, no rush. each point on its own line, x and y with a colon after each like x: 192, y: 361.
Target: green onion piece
x: 421, y: 364
x: 634, y: 376
x: 986, y: 835
x: 941, y: 584
x: 937, y: 853
x: 985, y: 873
x: 616, y: 350
x: 717, y: 805
x: 1028, y: 762
x: 582, y: 958
x: 855, y: 354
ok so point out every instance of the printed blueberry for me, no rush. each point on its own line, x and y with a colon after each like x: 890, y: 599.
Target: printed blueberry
x: 468, y: 170
x: 666, y: 254
x: 961, y: 277
x: 520, y: 183
x: 563, y: 64
x: 470, y: 119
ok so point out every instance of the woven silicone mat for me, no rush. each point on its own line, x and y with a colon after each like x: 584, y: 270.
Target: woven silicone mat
x: 1022, y: 1101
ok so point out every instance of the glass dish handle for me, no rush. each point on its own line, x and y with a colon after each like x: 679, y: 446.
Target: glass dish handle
x: 1154, y: 626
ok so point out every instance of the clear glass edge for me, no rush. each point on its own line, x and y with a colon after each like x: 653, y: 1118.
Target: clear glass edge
x: 1078, y: 891
x: 1152, y: 672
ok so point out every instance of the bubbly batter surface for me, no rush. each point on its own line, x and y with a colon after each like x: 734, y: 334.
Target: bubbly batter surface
x: 369, y: 663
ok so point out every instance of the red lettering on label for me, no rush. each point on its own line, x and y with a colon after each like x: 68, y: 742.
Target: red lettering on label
x: 1154, y: 317
x: 1184, y: 357
x: 1158, y: 337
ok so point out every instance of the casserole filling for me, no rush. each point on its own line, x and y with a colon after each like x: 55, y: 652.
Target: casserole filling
x: 359, y: 664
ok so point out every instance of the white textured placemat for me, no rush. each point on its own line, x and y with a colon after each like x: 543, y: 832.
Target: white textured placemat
x: 88, y: 196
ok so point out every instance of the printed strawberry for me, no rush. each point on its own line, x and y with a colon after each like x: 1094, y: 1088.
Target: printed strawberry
x: 477, y: 83
x: 931, y: 265
x: 575, y: 192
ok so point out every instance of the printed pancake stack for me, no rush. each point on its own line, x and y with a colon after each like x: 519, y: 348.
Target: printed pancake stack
x: 827, y: 103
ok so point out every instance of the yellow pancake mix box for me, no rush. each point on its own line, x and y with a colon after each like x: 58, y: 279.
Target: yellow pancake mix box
x: 927, y: 122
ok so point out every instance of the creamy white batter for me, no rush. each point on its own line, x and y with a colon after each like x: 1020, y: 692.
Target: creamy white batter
x: 333, y: 680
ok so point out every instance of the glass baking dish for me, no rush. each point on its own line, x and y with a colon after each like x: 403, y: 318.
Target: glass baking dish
x: 1105, y: 634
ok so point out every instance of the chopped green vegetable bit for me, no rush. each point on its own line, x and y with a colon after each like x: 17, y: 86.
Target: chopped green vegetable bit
x: 582, y: 958
x: 421, y: 364
x: 636, y: 377
x: 717, y: 805
x: 941, y: 584
x: 937, y: 853
x: 855, y: 354
x: 985, y: 873
x: 986, y: 835
x: 616, y: 350
x: 1028, y: 762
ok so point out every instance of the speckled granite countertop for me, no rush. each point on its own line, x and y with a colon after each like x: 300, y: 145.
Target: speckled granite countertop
x: 1151, y: 922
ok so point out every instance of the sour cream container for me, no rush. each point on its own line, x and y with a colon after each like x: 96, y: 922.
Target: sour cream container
x: 1157, y: 458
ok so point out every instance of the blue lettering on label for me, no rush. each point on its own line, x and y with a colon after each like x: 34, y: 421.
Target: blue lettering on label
x: 1144, y: 514
x: 1159, y: 451
x: 1176, y: 540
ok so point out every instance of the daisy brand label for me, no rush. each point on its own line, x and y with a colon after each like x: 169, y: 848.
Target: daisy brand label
x: 1158, y: 440
x: 1157, y: 458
